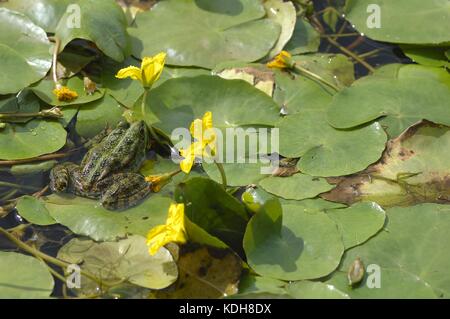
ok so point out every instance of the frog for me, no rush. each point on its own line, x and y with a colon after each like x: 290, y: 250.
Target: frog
x: 109, y: 171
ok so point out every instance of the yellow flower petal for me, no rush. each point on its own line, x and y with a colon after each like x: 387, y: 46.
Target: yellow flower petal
x: 282, y: 61
x: 131, y: 71
x: 63, y: 93
x: 173, y: 231
x: 207, y: 121
x: 152, y: 68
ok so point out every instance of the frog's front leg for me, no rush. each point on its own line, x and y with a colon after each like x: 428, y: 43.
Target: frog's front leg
x: 123, y: 190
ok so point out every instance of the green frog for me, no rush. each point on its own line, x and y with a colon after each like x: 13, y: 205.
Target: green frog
x: 109, y: 170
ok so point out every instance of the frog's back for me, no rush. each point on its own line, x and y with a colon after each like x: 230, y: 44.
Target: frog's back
x: 122, y: 150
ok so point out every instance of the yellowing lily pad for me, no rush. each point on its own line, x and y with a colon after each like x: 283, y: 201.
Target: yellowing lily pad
x: 127, y: 259
x: 223, y: 31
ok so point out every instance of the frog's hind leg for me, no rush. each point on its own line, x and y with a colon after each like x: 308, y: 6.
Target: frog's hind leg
x: 61, y: 177
x: 124, y: 190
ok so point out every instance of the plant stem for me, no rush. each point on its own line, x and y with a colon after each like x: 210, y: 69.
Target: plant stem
x: 55, y: 261
x: 39, y: 158
x: 222, y: 174
x: 55, y: 58
x: 315, y: 77
x: 13, y: 185
x: 352, y: 55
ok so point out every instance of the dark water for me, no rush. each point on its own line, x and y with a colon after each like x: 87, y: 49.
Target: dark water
x: 51, y: 238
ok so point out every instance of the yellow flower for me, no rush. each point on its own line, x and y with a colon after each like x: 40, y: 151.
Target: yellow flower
x: 205, y: 138
x: 282, y: 61
x: 173, y: 231
x: 64, y: 94
x: 149, y: 73
x: 158, y: 181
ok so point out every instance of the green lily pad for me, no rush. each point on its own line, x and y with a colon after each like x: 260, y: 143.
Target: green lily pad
x: 305, y: 38
x: 93, y: 117
x: 102, y: 22
x: 87, y: 217
x: 210, y: 207
x: 292, y: 245
x: 298, y: 186
x: 177, y: 102
x: 238, y: 174
x: 313, y: 205
x: 314, y: 290
x: 231, y: 30
x: 44, y: 13
x: 34, y: 138
x: 413, y: 170
x: 285, y: 15
x: 428, y: 56
x: 23, y: 277
x: 128, y: 91
x: 433, y: 16
x: 250, y: 284
x: 358, y: 223
x: 326, y: 151
x: 411, y: 253
x: 127, y: 259
x: 44, y: 90
x: 401, y: 101
x: 34, y: 211
x: 396, y: 284
x: 25, y: 52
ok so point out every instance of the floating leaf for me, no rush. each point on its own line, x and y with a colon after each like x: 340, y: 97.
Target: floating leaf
x: 298, y: 186
x: 285, y: 15
x: 23, y: 102
x: 102, y: 22
x: 434, y: 16
x: 44, y: 13
x: 23, y: 277
x: 34, y: 211
x: 411, y: 255
x: 95, y: 116
x: 44, y: 90
x: 25, y: 52
x: 326, y: 151
x: 231, y: 30
x: 34, y: 138
x: 87, y: 217
x: 428, y: 56
x: 305, y: 38
x: 127, y: 259
x: 177, y: 102
x: 314, y: 290
x: 292, y: 245
x: 402, y: 101
x: 358, y: 223
x: 413, y: 170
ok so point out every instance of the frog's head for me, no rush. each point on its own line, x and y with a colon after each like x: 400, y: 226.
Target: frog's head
x: 139, y: 130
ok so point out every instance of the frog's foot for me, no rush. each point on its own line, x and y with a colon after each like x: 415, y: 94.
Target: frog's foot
x: 60, y: 176
x: 123, y: 190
